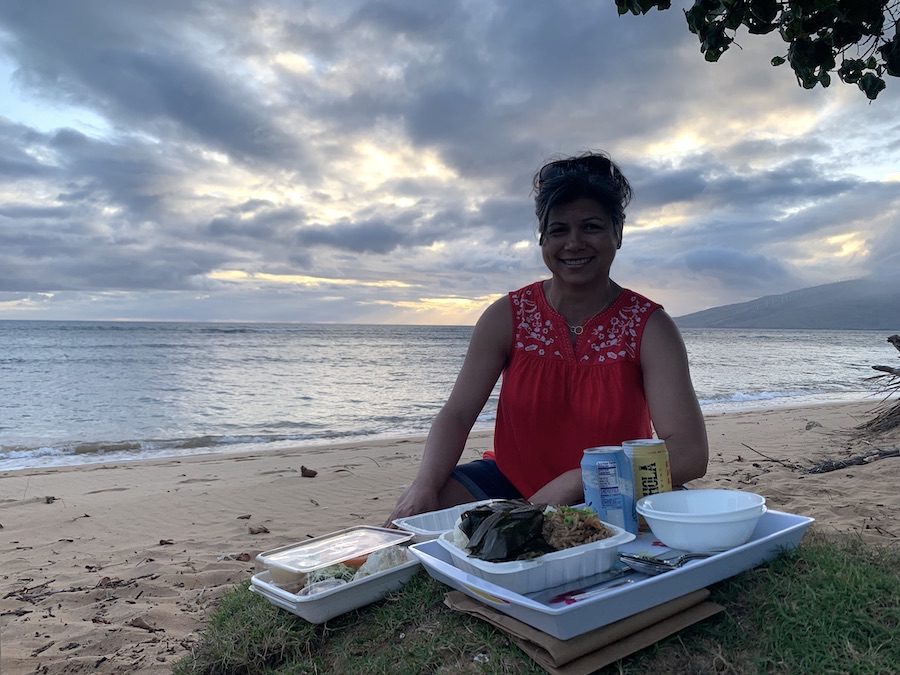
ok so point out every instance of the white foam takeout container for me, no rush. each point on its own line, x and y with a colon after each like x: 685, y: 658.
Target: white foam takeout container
x: 550, y: 569
x: 321, y: 607
x: 428, y: 526
x: 289, y: 565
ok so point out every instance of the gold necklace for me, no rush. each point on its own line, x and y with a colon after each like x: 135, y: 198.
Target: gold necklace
x: 578, y: 330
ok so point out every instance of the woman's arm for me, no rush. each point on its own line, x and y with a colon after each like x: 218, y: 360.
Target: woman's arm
x: 566, y: 488
x: 486, y: 357
x: 673, y: 404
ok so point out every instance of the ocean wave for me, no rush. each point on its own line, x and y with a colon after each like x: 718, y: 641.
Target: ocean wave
x: 751, y: 396
x: 158, y: 447
x: 100, y: 447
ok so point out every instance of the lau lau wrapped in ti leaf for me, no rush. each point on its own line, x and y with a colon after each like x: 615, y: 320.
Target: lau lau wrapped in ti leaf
x: 505, y: 530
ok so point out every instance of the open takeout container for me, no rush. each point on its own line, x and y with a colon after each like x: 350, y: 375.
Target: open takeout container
x: 288, y: 566
x: 431, y: 525
x: 320, y: 607
x: 550, y: 569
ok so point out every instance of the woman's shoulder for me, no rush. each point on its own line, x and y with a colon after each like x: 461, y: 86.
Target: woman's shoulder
x: 496, y: 321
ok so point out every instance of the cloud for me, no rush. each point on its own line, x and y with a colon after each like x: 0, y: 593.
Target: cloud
x: 386, y: 140
x: 16, y: 160
x: 130, y: 66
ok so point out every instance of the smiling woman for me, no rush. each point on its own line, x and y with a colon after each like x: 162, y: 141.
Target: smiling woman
x: 584, y: 361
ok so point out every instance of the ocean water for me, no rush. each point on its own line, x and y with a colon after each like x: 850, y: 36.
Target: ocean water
x: 79, y: 392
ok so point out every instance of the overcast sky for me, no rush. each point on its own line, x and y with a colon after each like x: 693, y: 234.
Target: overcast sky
x: 351, y: 161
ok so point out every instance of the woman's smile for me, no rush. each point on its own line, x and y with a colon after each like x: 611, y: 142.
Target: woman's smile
x: 579, y: 242
x: 575, y: 262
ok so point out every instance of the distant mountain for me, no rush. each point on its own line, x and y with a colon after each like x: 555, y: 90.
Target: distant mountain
x: 862, y: 304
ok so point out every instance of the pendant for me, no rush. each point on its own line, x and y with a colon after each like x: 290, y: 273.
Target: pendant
x: 576, y: 330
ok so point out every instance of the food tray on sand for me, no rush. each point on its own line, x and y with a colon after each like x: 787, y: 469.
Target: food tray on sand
x: 578, y: 607
x: 321, y: 607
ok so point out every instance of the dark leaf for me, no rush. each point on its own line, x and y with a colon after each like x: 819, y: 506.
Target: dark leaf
x: 734, y: 17
x: 851, y: 70
x: 845, y: 33
x: 890, y: 52
x: 697, y: 18
x: 871, y: 85
x: 638, y: 7
x: 762, y: 13
x: 509, y: 530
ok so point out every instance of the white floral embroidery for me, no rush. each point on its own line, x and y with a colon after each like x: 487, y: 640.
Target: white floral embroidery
x: 613, y: 340
x: 532, y: 330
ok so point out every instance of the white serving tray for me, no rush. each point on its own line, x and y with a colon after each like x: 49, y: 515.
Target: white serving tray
x: 326, y: 605
x: 554, y: 611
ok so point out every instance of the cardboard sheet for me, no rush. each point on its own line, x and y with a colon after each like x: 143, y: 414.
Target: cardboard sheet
x: 597, y: 648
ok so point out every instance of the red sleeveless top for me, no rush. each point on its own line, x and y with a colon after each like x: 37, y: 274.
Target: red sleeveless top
x: 557, y: 399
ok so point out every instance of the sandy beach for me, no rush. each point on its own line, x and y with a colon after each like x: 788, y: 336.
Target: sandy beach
x: 112, y: 568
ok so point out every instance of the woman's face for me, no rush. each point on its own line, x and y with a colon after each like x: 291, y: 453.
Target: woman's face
x: 580, y: 242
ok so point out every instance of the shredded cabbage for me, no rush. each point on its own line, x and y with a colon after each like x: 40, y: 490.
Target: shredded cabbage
x: 383, y: 559
x: 339, y: 571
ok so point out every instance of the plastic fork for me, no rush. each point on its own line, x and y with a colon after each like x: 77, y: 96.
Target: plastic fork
x: 652, y: 566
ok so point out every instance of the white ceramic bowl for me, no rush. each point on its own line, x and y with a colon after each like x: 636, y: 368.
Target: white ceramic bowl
x: 702, y: 520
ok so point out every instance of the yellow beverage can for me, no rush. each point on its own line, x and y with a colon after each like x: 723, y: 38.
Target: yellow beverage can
x: 650, y: 468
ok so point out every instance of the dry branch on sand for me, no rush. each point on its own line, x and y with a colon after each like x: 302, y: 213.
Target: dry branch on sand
x: 837, y: 464
x: 887, y: 413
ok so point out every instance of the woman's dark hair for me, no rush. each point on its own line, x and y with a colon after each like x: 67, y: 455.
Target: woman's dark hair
x: 592, y: 175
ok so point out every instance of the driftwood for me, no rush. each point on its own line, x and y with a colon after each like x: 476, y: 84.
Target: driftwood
x: 856, y: 460
x: 887, y: 413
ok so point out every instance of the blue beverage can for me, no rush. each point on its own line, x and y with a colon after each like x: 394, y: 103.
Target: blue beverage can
x: 608, y: 485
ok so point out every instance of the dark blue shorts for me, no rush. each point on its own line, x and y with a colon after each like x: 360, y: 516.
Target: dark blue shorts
x: 483, y: 479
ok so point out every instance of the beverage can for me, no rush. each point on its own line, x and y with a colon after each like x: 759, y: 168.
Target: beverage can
x: 607, y: 477
x: 651, y: 473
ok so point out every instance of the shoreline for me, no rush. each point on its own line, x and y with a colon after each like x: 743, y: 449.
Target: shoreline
x: 113, y: 566
x: 240, y: 450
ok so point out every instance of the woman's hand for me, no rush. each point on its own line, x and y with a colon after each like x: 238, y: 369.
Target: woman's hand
x: 414, y: 500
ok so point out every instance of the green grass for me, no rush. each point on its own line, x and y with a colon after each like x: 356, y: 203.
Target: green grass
x: 831, y: 606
